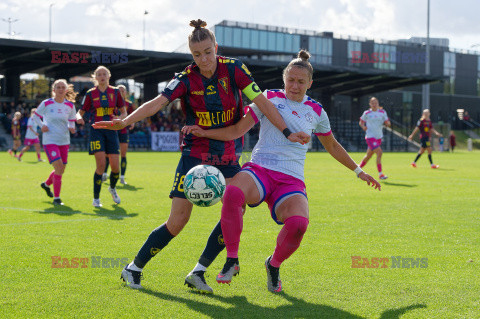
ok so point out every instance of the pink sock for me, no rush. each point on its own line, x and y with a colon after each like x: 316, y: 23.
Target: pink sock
x: 362, y: 164
x: 49, y: 180
x: 232, y: 219
x: 57, y: 185
x: 20, y: 155
x: 379, y: 167
x: 289, y: 239
x: 38, y: 155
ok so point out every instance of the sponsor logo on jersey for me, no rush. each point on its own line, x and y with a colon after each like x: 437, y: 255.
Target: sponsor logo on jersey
x: 215, y: 118
x: 197, y: 92
x: 244, y: 67
x: 296, y: 114
x: 211, y: 90
x: 281, y: 106
x: 309, y: 117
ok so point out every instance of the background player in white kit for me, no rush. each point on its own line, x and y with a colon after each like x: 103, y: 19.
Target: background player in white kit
x: 31, y: 137
x: 372, y: 122
x: 56, y: 117
x: 275, y: 172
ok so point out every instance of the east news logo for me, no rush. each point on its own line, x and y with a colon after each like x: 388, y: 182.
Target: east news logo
x: 397, y: 262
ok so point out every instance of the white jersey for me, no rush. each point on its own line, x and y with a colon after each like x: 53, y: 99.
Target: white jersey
x: 374, y: 121
x: 273, y: 151
x: 58, y: 117
x: 31, y: 125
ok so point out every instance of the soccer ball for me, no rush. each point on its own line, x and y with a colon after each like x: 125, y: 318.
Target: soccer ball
x: 204, y: 185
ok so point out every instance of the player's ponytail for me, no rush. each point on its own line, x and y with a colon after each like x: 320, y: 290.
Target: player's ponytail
x: 300, y: 61
x: 200, y: 33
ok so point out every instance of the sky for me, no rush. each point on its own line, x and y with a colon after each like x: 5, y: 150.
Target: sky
x: 107, y: 22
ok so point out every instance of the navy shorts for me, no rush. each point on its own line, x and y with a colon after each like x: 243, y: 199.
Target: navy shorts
x: 123, y: 138
x: 425, y: 142
x: 103, y: 141
x: 186, y: 163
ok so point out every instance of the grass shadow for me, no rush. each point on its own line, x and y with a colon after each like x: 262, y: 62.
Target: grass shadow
x: 116, y: 212
x: 129, y: 187
x: 399, y: 184
x: 239, y: 307
x: 63, y: 210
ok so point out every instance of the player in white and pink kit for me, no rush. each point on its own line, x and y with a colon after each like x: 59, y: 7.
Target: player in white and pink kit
x: 56, y: 117
x: 31, y: 137
x: 275, y: 173
x: 372, y: 122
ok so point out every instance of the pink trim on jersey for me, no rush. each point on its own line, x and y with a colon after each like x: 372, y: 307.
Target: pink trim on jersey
x: 72, y: 120
x: 271, y: 94
x: 315, y: 106
x: 38, y: 115
x: 323, y: 134
x: 249, y: 110
x: 69, y: 104
x: 49, y: 102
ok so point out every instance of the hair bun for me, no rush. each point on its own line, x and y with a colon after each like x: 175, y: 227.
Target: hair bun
x: 198, y: 24
x: 304, y: 55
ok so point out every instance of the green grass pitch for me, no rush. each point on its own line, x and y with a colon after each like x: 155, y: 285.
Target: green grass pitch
x: 419, y: 213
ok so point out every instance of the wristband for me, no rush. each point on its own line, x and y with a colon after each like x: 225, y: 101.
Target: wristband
x: 287, y: 132
x: 358, y: 170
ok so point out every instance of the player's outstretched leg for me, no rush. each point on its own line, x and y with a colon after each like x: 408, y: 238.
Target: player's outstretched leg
x: 274, y: 284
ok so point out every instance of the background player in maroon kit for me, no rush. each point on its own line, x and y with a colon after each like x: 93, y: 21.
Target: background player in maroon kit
x: 211, y: 92
x: 15, y: 134
x: 103, y: 101
x: 123, y: 138
x: 424, y: 125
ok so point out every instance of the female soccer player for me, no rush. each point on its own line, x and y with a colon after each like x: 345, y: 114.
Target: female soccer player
x: 56, y: 117
x: 424, y: 125
x: 16, y: 134
x: 31, y: 137
x: 211, y: 89
x: 103, y: 101
x: 275, y: 173
x: 123, y: 138
x: 372, y: 122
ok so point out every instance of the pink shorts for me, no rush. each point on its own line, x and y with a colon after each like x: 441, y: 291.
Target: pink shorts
x: 31, y: 141
x: 56, y: 152
x: 373, y: 142
x: 274, y: 187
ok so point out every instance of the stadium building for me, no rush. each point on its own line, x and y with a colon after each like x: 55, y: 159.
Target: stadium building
x: 348, y: 71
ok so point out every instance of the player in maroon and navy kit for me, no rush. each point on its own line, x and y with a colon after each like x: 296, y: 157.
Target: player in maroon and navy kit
x: 424, y: 125
x: 103, y: 101
x: 211, y: 92
x: 16, y: 134
x: 123, y: 138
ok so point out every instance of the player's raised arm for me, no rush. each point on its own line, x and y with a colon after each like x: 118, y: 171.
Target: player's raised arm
x: 145, y: 110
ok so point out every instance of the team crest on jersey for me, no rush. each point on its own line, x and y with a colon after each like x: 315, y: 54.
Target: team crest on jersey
x: 281, y: 106
x: 309, y: 117
x: 224, y: 83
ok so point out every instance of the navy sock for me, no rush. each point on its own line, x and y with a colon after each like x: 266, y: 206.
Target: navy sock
x: 159, y: 238
x: 107, y: 162
x: 430, y: 159
x: 113, y: 179
x: 214, y: 246
x: 123, y: 166
x: 97, y: 185
x: 416, y: 158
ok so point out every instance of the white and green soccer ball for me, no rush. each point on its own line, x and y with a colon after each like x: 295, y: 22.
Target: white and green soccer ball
x: 204, y: 185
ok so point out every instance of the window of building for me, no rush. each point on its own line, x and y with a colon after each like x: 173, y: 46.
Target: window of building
x: 321, y: 50
x: 354, y: 46
x: 449, y: 66
x: 386, y: 56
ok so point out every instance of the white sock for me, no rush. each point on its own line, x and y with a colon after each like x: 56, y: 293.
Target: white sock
x: 56, y: 198
x: 199, y: 267
x: 122, y: 176
x: 134, y: 267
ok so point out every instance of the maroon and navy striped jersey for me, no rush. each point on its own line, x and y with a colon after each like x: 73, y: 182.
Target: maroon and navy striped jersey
x: 425, y: 126
x: 103, y: 105
x: 211, y: 103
